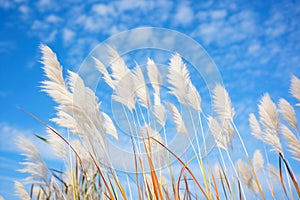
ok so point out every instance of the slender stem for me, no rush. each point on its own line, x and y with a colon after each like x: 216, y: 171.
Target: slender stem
x: 239, y: 135
x: 242, y: 189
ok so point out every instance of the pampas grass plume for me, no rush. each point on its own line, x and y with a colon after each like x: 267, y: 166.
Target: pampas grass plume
x: 268, y: 113
x: 177, y: 119
x: 21, y: 192
x: 222, y: 103
x: 258, y: 161
x: 255, y: 127
x: 292, y: 142
x: 288, y: 113
x: 295, y: 88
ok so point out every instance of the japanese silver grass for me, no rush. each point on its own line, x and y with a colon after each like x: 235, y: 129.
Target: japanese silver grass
x: 34, y: 164
x: 222, y: 103
x: 141, y: 89
x: 154, y: 76
x: 268, y: 114
x: 57, y: 145
x: 293, y: 142
x: 106, y: 76
x: 55, y: 87
x: 181, y: 86
x: 288, y: 113
x: 245, y: 175
x: 21, y: 191
x: 177, y: 119
x: 222, y: 140
x: 255, y: 127
x: 258, y: 161
x: 295, y: 88
x: 159, y: 111
x: 109, y: 126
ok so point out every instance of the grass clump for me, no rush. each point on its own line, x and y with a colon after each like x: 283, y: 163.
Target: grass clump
x: 89, y: 172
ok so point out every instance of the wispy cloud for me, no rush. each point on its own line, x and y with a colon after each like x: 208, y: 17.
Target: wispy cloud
x: 8, y: 134
x: 68, y: 35
x: 184, y: 14
x: 6, y: 4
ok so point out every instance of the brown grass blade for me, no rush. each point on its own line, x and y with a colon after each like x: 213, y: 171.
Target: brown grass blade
x: 291, y: 175
x: 184, y: 165
x: 187, y: 190
x: 119, y: 185
x: 156, y: 187
x: 240, y: 190
x: 215, y: 185
x: 179, y: 178
x: 281, y: 178
x: 102, y: 176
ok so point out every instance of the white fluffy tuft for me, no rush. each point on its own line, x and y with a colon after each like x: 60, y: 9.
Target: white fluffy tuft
x: 177, y: 119
x: 288, y: 113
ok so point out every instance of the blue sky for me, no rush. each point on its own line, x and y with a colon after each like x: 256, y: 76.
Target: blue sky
x: 255, y: 45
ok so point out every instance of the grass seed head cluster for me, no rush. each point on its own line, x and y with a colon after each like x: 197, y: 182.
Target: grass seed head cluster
x: 89, y: 173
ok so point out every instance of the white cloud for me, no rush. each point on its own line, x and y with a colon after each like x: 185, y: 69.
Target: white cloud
x: 218, y: 14
x: 25, y: 10
x: 44, y: 5
x: 253, y: 48
x: 53, y: 19
x: 9, y: 134
x: 125, y: 5
x: 103, y: 9
x: 51, y: 37
x: 68, y: 35
x: 39, y: 26
x: 224, y: 32
x: 6, y: 4
x: 184, y: 15
x: 89, y: 23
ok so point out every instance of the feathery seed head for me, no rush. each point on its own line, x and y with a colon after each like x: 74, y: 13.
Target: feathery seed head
x: 57, y: 145
x: 21, y: 192
x: 295, y: 88
x: 109, y: 126
x: 33, y: 164
x: 258, y: 161
x: 222, y: 103
x: 159, y: 110
x: 273, y: 171
x: 181, y: 85
x: 268, y: 114
x: 51, y: 67
x: 177, y: 119
x: 117, y: 64
x: 293, y: 142
x: 288, y: 113
x: 154, y: 76
x: 244, y: 173
x: 141, y: 89
x: 255, y: 127
x: 221, y: 139
x: 55, y: 87
x: 102, y: 69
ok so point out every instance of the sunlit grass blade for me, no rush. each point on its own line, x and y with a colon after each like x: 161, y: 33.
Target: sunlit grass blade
x: 215, y: 186
x: 184, y: 165
x: 291, y: 175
